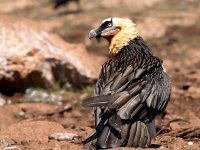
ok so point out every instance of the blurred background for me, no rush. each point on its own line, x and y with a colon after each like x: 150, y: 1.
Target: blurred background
x: 48, y: 65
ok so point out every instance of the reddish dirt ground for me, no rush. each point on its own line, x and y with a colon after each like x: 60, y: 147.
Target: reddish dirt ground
x: 27, y: 125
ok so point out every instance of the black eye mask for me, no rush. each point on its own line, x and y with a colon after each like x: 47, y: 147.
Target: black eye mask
x: 106, y: 24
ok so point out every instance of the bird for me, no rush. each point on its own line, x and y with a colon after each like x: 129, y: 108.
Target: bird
x: 132, y: 89
x: 59, y: 3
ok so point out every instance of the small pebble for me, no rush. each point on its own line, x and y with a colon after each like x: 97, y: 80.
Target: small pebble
x: 190, y: 143
x: 21, y: 113
x: 11, y: 148
x: 9, y: 101
x: 63, y: 136
x: 2, y: 101
x: 68, y: 107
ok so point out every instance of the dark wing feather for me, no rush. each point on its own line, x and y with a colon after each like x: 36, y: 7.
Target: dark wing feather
x: 96, y: 101
x: 128, y: 93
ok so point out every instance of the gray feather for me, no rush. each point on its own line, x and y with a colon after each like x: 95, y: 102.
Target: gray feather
x: 132, y: 134
x: 126, y: 110
x: 137, y: 135
x: 96, y: 101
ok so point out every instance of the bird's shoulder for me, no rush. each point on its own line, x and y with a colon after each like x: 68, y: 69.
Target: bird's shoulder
x: 133, y: 58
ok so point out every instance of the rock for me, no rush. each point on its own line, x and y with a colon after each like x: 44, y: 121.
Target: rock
x: 30, y: 56
x: 190, y: 143
x: 8, y: 144
x: 33, y: 95
x: 11, y: 148
x: 63, y: 136
x: 5, y: 143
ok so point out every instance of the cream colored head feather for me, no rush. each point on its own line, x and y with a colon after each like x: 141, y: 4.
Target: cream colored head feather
x: 127, y: 32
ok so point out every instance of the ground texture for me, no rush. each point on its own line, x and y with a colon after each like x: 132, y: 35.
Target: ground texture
x: 172, y: 29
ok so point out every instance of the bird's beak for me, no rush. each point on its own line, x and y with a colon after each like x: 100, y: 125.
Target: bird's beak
x: 98, y: 33
x: 92, y: 33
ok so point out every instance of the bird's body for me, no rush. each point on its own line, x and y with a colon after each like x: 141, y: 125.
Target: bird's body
x: 59, y: 3
x: 131, y: 90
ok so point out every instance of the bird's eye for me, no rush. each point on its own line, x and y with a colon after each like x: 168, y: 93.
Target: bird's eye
x: 109, y: 25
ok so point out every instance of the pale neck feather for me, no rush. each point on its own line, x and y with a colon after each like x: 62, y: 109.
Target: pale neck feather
x: 127, y: 32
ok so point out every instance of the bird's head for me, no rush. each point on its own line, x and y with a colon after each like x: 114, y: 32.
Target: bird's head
x: 117, y: 31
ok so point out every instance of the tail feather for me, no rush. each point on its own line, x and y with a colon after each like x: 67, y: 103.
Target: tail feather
x: 135, y: 134
x: 132, y: 134
x: 110, y: 137
x: 139, y: 135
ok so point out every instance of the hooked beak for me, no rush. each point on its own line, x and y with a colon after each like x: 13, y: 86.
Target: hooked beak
x: 97, y: 33
x: 92, y: 34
